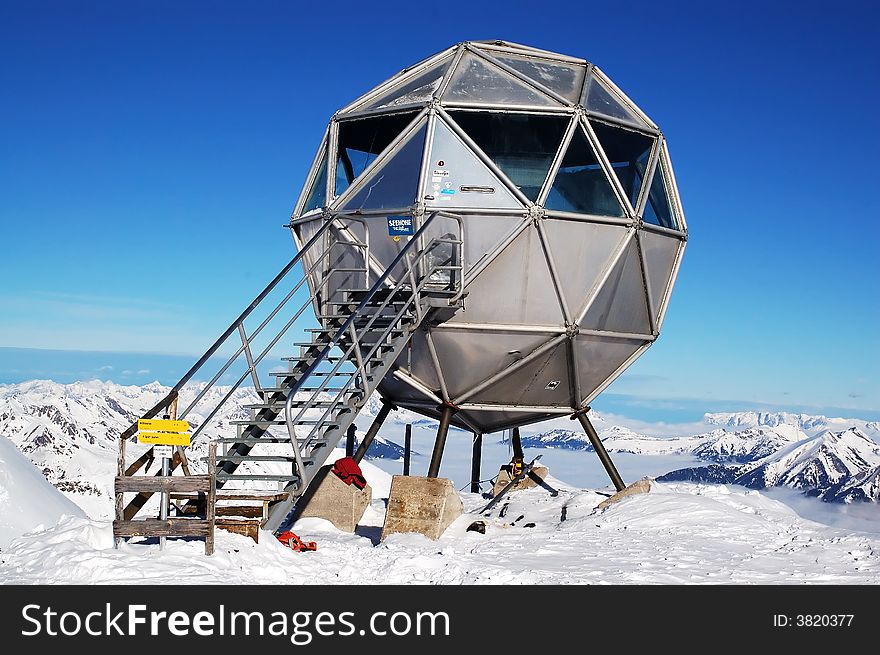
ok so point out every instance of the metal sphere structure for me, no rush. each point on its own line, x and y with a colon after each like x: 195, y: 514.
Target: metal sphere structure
x: 564, y: 196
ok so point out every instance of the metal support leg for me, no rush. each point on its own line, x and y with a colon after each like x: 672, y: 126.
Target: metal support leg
x: 373, y: 431
x: 407, y: 448
x: 599, y: 448
x: 349, y: 440
x: 475, y: 462
x: 440, y: 442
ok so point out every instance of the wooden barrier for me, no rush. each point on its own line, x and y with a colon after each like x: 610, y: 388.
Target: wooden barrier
x: 147, y: 485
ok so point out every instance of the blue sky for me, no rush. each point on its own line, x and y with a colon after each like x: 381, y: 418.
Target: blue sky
x: 146, y: 144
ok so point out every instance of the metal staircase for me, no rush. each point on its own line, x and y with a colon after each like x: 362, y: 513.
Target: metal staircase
x: 366, y: 317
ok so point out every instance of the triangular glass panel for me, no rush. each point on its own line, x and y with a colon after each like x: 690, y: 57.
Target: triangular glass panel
x: 522, y: 273
x: 658, y: 208
x: 415, y: 88
x: 628, y: 152
x: 621, y: 304
x: 486, y: 353
x: 546, y: 381
x: 395, y: 183
x: 457, y: 178
x: 565, y: 79
x: 523, y: 146
x: 477, y: 81
x: 581, y: 185
x: 659, y: 252
x: 361, y: 141
x: 598, y: 358
x: 318, y: 193
x: 581, y: 251
x: 603, y: 100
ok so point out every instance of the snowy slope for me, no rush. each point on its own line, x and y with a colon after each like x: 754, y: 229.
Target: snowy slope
x: 27, y: 501
x: 677, y: 534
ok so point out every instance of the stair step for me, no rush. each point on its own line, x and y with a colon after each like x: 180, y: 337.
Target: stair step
x: 280, y: 421
x: 272, y: 478
x: 251, y: 441
x: 296, y: 403
x: 256, y: 458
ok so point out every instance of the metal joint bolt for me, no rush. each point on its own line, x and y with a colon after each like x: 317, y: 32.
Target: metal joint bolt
x: 572, y: 330
x: 537, y: 213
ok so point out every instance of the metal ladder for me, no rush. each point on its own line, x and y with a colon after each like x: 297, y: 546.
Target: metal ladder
x: 363, y: 330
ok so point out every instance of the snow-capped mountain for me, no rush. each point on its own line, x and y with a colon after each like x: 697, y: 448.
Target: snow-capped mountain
x: 815, y: 464
x: 835, y: 466
x: 746, y: 445
x: 717, y: 446
x: 808, y: 423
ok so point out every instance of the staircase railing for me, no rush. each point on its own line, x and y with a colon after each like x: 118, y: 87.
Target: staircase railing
x: 418, y: 274
x: 323, y: 238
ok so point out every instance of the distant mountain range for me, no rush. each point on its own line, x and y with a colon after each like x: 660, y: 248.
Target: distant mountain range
x: 69, y: 432
x: 771, y: 450
x: 835, y: 466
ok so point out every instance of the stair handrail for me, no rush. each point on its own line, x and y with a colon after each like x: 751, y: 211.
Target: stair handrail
x: 349, y: 322
x: 375, y: 313
x: 174, y: 392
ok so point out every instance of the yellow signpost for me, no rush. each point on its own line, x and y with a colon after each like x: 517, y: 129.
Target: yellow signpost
x: 163, y: 432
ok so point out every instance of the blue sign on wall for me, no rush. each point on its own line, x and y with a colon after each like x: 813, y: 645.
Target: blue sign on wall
x: 400, y: 226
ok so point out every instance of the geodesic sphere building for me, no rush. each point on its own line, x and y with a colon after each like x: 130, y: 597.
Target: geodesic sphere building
x: 567, y: 205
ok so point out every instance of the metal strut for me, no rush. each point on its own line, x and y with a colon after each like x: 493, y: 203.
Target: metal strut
x: 440, y: 443
x: 599, y: 447
x: 367, y: 441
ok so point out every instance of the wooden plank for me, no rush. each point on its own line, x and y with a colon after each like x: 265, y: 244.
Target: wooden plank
x: 249, y: 511
x: 241, y: 494
x: 120, y: 470
x: 243, y: 527
x: 141, y: 499
x: 154, y: 484
x: 160, y: 528
x: 138, y: 464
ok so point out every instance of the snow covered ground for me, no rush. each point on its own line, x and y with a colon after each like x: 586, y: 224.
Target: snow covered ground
x: 678, y: 533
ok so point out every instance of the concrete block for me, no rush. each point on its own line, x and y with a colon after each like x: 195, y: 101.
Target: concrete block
x: 642, y: 486
x: 424, y: 505
x: 330, y: 498
x: 536, y: 476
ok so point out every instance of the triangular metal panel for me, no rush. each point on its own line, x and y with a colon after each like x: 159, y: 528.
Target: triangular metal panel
x: 457, y: 178
x: 423, y: 368
x: 485, y: 233
x: 516, y: 287
x: 523, y: 146
x: 476, y: 80
x: 598, y: 358
x: 659, y: 252
x: 395, y: 183
x: 603, y: 100
x: 565, y: 79
x: 582, y: 252
x: 546, y: 381
x: 467, y: 357
x: 580, y: 184
x: 621, y: 304
x: 414, y: 88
